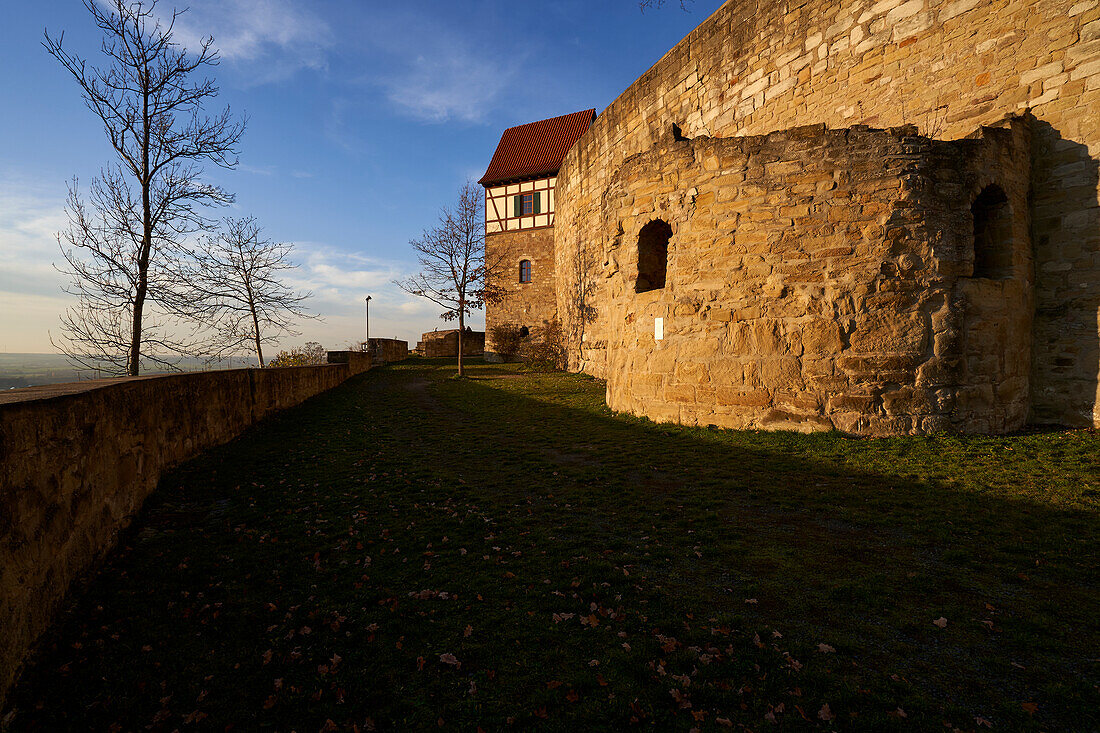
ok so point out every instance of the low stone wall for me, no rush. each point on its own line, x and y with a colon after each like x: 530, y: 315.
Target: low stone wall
x: 387, y: 351
x: 77, y: 461
x: 440, y: 344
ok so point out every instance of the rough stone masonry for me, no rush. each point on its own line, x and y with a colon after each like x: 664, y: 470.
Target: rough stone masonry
x: 880, y: 217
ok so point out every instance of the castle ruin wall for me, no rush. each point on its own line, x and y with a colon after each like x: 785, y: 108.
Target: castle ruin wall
x: 947, y: 66
x: 819, y: 279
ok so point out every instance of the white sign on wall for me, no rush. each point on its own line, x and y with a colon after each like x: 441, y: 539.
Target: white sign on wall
x: 658, y: 328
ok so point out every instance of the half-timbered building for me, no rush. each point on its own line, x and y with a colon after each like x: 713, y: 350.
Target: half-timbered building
x: 519, y: 221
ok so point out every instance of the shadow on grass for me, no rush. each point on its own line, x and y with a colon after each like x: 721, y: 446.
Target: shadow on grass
x: 410, y: 550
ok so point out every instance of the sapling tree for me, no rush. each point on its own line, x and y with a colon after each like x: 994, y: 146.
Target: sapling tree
x: 453, y: 268
x: 125, y: 241
x: 236, y: 287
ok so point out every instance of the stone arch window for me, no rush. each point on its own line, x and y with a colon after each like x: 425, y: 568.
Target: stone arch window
x: 525, y: 271
x: 992, y: 234
x: 652, y: 256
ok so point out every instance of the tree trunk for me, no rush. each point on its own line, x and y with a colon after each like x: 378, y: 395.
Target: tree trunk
x: 461, y: 333
x: 255, y: 319
x: 143, y: 278
x: 146, y: 234
x: 256, y: 336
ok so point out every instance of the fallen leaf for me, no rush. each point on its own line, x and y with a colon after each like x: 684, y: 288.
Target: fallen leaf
x: 450, y: 659
x: 825, y: 713
x: 825, y: 648
x: 1030, y: 707
x: 941, y: 622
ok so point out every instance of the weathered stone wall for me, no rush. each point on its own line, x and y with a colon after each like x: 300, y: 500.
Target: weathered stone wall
x: 532, y: 304
x: 386, y: 351
x: 947, y: 66
x: 440, y: 344
x: 820, y: 279
x: 77, y: 462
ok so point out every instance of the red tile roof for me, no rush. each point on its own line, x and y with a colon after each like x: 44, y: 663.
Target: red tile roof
x: 536, y: 149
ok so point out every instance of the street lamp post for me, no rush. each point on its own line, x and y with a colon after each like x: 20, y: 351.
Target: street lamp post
x: 367, y: 342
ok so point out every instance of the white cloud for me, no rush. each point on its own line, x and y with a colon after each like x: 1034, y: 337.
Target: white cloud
x: 435, y: 74
x: 30, y: 217
x: 31, y: 296
x: 273, y: 38
x: 340, y: 281
x: 449, y: 84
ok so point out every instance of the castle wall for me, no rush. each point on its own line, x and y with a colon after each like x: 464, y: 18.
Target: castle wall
x: 442, y: 344
x: 531, y: 304
x: 820, y: 279
x: 947, y: 66
x: 387, y: 351
x: 77, y: 461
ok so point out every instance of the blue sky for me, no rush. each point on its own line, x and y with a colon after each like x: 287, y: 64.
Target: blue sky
x: 364, y: 118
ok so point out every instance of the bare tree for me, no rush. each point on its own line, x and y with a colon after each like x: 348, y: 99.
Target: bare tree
x: 452, y: 260
x: 120, y: 247
x: 235, y: 288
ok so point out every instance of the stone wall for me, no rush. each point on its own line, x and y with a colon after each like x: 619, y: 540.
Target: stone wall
x: 442, y: 344
x: 386, y: 351
x: 820, y: 279
x: 946, y: 66
x: 530, y: 304
x: 77, y: 461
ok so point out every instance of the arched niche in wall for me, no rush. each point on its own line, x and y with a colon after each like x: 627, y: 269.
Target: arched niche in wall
x: 652, y: 256
x: 992, y: 234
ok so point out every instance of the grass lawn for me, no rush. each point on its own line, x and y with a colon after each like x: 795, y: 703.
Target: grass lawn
x: 411, y: 551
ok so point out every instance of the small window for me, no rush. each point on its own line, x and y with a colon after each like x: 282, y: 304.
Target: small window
x: 992, y: 234
x: 525, y: 271
x: 527, y: 204
x: 652, y: 255
x: 524, y: 332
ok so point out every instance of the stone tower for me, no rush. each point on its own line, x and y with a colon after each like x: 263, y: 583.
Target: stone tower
x: 520, y: 204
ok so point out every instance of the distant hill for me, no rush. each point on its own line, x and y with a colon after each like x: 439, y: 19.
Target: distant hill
x: 28, y: 370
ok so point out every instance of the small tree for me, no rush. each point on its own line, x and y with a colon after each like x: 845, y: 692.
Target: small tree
x: 236, y: 285
x: 122, y: 251
x: 506, y: 338
x: 548, y: 351
x: 312, y: 354
x: 452, y: 260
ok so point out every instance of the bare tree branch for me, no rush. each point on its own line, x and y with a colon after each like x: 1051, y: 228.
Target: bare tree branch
x: 123, y: 245
x: 644, y: 4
